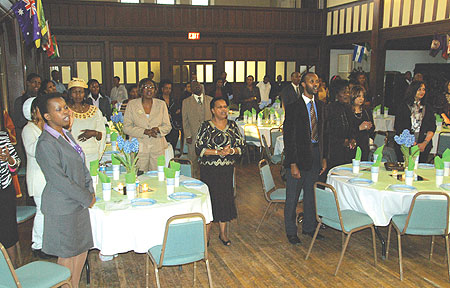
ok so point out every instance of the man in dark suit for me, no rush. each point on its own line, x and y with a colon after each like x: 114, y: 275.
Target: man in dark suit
x: 291, y: 92
x: 304, y: 149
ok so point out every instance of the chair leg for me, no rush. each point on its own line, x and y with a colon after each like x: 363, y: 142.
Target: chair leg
x: 209, y: 273
x: 314, y: 239
x: 264, y: 215
x: 388, y: 241
x: 432, y: 246
x: 448, y: 255
x: 146, y: 271
x: 400, y: 254
x: 347, y: 239
x: 343, y: 239
x: 88, y: 270
x: 19, y: 254
x: 195, y: 267
x: 157, y: 277
x: 374, y: 245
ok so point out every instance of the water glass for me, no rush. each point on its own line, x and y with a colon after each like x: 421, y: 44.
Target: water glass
x: 439, y: 177
x: 374, y: 172
x: 106, y: 187
x: 356, y: 164
x: 131, y: 191
x: 409, y: 177
x: 170, y: 186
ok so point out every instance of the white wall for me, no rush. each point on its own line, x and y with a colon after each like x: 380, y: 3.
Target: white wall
x: 334, y: 55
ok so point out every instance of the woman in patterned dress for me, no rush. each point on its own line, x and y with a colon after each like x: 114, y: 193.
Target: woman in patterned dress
x: 219, y: 144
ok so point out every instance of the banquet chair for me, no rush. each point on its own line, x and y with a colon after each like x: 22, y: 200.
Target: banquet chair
x: 275, y: 159
x: 252, y: 138
x: 443, y: 143
x: 34, y: 274
x: 272, y: 194
x: 274, y: 134
x: 328, y: 212
x: 426, y: 217
x: 23, y: 214
x: 183, y: 243
x: 185, y: 166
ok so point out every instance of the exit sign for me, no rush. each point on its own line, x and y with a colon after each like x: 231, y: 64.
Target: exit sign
x: 194, y: 35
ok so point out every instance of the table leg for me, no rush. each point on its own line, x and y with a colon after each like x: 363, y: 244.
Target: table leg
x: 383, y: 243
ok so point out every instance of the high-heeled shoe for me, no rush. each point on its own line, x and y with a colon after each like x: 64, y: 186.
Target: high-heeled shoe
x: 226, y: 243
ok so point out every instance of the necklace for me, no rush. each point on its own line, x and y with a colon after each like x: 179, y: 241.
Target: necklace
x: 358, y: 115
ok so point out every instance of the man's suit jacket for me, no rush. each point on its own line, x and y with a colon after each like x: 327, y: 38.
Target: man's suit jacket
x: 297, y: 133
x: 104, y: 106
x: 69, y: 185
x: 194, y: 114
x: 288, y: 95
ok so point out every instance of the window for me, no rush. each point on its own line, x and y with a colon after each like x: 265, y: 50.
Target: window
x: 134, y: 71
x: 165, y: 2
x: 285, y: 69
x: 85, y: 70
x: 129, y: 1
x: 200, y: 2
x: 66, y: 75
x: 237, y: 71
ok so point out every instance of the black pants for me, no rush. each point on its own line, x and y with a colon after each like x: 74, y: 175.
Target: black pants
x: 172, y: 138
x: 293, y: 188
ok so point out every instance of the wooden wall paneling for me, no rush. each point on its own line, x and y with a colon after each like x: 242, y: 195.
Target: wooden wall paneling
x: 95, y: 51
x: 130, y: 52
x: 73, y: 15
x: 447, y: 12
x: 67, y: 51
x: 81, y: 15
x: 435, y: 5
x: 178, y: 18
x: 400, y: 19
x: 422, y: 11
x: 142, y: 52
x: 53, y: 13
x: 411, y: 12
x: 155, y: 53
x: 239, y: 19
x: 118, y: 53
x: 64, y: 14
x: 91, y: 16
x: 81, y: 52
x: 109, y: 16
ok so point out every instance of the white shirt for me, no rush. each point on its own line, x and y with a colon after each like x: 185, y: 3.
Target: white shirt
x: 96, y: 103
x: 298, y: 87
x: 264, y: 90
x: 119, y: 94
x: 197, y: 97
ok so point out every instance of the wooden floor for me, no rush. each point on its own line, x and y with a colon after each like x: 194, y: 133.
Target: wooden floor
x: 266, y: 259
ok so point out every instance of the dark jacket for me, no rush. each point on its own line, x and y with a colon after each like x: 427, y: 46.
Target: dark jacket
x: 297, y: 134
x: 403, y: 121
x: 288, y: 95
x: 104, y: 106
x: 18, y: 118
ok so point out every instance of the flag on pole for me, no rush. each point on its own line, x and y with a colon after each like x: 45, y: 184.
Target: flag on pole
x: 358, y: 53
x: 55, y: 48
x: 26, y: 15
x: 42, y: 25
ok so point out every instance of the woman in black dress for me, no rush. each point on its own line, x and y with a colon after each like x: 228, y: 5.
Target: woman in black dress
x: 174, y: 108
x: 219, y: 143
x: 362, y: 121
x: 9, y: 161
x: 341, y: 131
x: 417, y: 116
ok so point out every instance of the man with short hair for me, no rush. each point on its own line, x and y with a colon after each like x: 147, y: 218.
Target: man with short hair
x: 195, y: 110
x: 304, y: 144
x: 118, y: 92
x: 56, y: 79
x: 292, y: 92
x: 227, y: 88
x: 264, y: 90
x: 276, y: 89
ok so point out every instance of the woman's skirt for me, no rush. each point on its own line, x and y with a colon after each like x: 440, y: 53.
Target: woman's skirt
x: 8, y: 221
x: 220, y: 183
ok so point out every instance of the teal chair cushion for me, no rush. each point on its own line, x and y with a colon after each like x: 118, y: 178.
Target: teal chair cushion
x: 22, y: 171
x: 400, y: 221
x: 279, y: 194
x: 25, y: 212
x: 275, y: 159
x: 351, y: 219
x: 185, y: 170
x: 42, y: 274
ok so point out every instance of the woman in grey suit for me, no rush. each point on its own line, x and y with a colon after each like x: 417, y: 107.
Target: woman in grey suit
x: 68, y: 192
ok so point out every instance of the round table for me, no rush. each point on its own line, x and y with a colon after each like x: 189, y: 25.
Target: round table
x: 119, y: 227
x: 377, y: 200
x: 263, y: 130
x: 384, y: 123
x: 168, y: 153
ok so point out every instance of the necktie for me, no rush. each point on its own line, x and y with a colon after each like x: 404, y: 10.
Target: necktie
x: 199, y: 100
x: 297, y: 91
x: 314, y: 132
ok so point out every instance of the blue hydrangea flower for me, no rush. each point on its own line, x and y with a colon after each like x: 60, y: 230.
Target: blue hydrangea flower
x: 117, y: 118
x: 120, y: 142
x: 406, y: 138
x: 134, y: 145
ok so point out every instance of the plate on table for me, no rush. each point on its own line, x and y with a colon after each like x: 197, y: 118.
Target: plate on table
x: 140, y: 202
x: 192, y: 183
x: 445, y: 186
x: 342, y: 171
x: 402, y: 188
x: 366, y: 163
x: 182, y: 195
x: 360, y: 181
x: 152, y: 173
x: 425, y: 166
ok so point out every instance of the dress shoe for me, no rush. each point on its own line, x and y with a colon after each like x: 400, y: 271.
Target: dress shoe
x: 311, y: 234
x: 293, y: 239
x: 40, y: 254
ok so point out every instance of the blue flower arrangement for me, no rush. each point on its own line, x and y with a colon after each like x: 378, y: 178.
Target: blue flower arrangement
x: 406, y: 141
x: 117, y: 121
x: 129, y: 150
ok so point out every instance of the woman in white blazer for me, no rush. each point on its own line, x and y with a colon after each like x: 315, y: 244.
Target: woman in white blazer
x: 35, y: 178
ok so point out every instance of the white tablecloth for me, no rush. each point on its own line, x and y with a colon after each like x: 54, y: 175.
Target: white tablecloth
x: 263, y: 130
x: 140, y: 228
x: 279, y: 146
x: 383, y: 123
x: 375, y: 200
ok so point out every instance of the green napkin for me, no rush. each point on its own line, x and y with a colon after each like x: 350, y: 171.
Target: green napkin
x: 114, y: 136
x: 93, y: 168
x: 246, y: 112
x: 114, y: 160
x: 377, y: 108
x: 277, y: 101
x: 379, y: 151
x: 446, y: 155
x: 377, y: 163
x: 104, y: 178
x: 438, y: 163
x: 358, y: 153
x: 161, y: 160
x: 169, y: 173
x: 253, y: 111
x: 130, y: 178
x: 261, y: 115
x: 108, y: 131
x: 175, y: 166
x: 415, y: 150
x: 411, y: 164
x: 272, y: 110
x: 438, y: 118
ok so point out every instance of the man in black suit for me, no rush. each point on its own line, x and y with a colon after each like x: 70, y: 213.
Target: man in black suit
x: 304, y: 149
x: 292, y: 92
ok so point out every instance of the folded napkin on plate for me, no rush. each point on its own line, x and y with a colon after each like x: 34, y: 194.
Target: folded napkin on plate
x: 169, y: 173
x: 438, y: 163
x: 175, y: 166
x: 358, y: 154
x: 104, y: 178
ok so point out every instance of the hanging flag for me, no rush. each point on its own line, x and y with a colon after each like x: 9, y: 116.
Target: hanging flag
x: 358, y: 53
x: 26, y: 15
x: 445, y: 48
x: 55, y: 48
x: 42, y: 25
x: 367, y: 51
x: 436, y: 45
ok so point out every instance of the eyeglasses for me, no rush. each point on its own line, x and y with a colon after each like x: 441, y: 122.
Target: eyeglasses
x: 148, y: 87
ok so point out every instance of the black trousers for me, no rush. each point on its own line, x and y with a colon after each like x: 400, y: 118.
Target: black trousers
x: 293, y: 188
